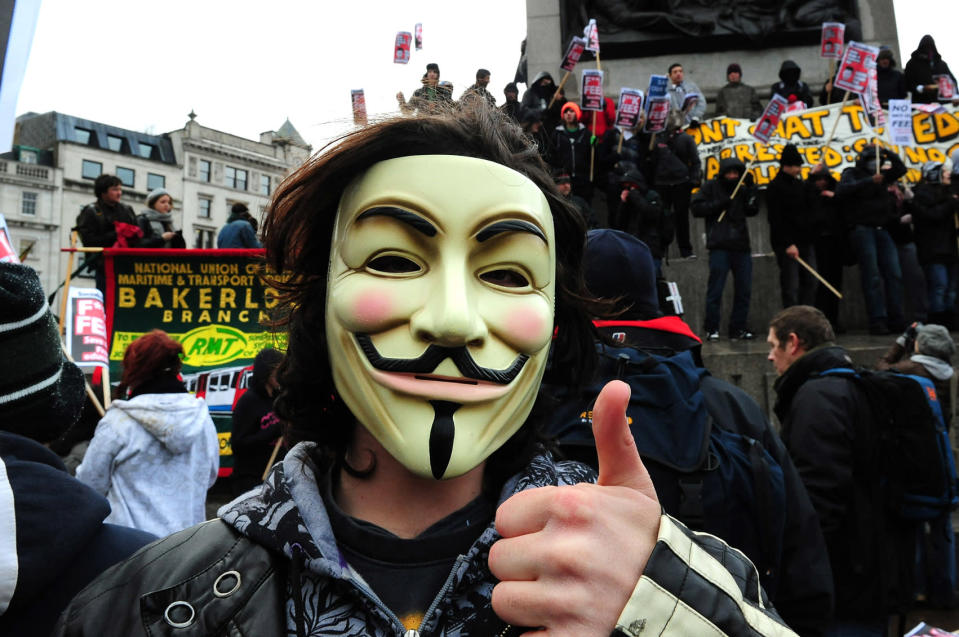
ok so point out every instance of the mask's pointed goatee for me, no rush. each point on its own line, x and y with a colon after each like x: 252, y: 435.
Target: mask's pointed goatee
x: 441, y: 436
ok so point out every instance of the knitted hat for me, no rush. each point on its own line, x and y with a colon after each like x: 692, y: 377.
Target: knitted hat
x: 560, y: 176
x: 433, y: 66
x: 934, y: 340
x: 571, y: 106
x: 790, y: 156
x: 156, y: 194
x: 734, y: 68
x: 618, y: 265
x: 41, y: 393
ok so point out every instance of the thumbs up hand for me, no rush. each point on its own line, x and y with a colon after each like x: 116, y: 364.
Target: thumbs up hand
x: 571, y: 556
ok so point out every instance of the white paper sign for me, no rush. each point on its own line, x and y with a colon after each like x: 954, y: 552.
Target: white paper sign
x: 900, y: 122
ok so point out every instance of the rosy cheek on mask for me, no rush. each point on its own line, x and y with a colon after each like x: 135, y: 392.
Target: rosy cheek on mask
x: 371, y: 309
x: 528, y: 329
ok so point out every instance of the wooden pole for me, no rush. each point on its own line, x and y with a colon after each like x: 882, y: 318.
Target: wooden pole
x: 835, y: 124
x: 619, y: 146
x: 652, y: 140
x: 832, y: 73
x: 66, y: 285
x: 818, y: 276
x: 105, y: 379
x: 592, y: 147
x: 276, y: 450
x: 558, y: 89
x: 878, y: 160
x: 86, y: 384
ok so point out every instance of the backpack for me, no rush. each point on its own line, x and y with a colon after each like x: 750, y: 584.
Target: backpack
x: 711, y: 469
x: 917, y: 468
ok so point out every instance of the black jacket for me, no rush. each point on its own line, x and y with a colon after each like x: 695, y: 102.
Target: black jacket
x: 921, y: 70
x: 675, y: 160
x: 825, y: 214
x: 62, y: 543
x: 864, y: 201
x: 713, y: 200
x: 95, y: 223
x: 827, y: 427
x: 934, y: 210
x: 890, y: 84
x: 642, y: 215
x: 571, y: 151
x: 788, y: 210
x: 790, y: 86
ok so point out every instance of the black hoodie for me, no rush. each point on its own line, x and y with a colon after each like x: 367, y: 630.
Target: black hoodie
x: 790, y: 86
x: 713, y: 199
x: 53, y: 541
x: 921, y: 69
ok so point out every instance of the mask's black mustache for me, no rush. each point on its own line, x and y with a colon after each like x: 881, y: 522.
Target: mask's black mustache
x: 436, y: 354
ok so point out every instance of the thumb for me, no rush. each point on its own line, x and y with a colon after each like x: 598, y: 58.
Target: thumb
x: 619, y: 462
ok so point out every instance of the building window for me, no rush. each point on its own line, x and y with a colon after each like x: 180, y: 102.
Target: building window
x: 204, y: 212
x: 28, y: 156
x: 126, y: 176
x: 114, y: 143
x: 155, y: 181
x: 234, y: 177
x: 146, y: 150
x: 91, y: 169
x: 28, y: 204
x: 203, y: 238
x: 204, y: 170
x: 265, y: 185
x: 83, y: 135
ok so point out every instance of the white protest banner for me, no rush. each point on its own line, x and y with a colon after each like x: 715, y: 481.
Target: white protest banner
x: 359, y: 106
x: 934, y: 137
x: 658, y: 111
x: 833, y: 34
x: 418, y: 35
x: 900, y: 122
x: 629, y: 107
x: 795, y: 107
x: 573, y: 53
x: 86, y: 337
x: 769, y: 120
x: 947, y: 89
x: 401, y: 51
x: 592, y: 92
x: 7, y: 253
x: 853, y: 73
x: 591, y: 35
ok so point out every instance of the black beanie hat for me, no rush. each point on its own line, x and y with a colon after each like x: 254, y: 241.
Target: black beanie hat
x: 734, y: 68
x: 618, y: 265
x: 790, y: 156
x: 41, y: 393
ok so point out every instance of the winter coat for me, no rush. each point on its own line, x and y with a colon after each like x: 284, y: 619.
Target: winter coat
x: 788, y: 210
x: 738, y: 100
x: 154, y: 457
x: 477, y: 91
x: 677, y: 95
x: 237, y: 233
x: 934, y: 210
x: 537, y: 98
x: 571, y: 151
x: 890, y: 84
x: 675, y: 160
x: 278, y: 540
x: 921, y: 70
x: 642, y: 215
x: 153, y: 231
x: 865, y: 202
x: 514, y: 110
x: 828, y: 428
x: 790, y: 86
x: 825, y: 215
x: 53, y: 541
x: 255, y: 430
x: 95, y: 223
x: 713, y: 199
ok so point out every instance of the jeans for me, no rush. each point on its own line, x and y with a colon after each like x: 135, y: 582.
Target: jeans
x: 878, y: 269
x: 913, y: 282
x: 720, y: 264
x: 796, y: 285
x: 941, y: 280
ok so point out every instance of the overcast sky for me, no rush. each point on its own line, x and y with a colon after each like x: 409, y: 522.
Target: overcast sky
x: 244, y: 66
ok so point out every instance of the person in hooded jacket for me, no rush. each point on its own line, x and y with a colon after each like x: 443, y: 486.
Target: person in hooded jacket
x: 256, y: 426
x: 537, y: 97
x: 642, y: 215
x: 154, y: 454
x: 511, y: 106
x: 890, y: 84
x: 157, y: 223
x: 790, y: 229
x: 923, y: 66
x: 675, y: 169
x: 53, y: 539
x: 790, y: 86
x: 727, y: 239
x: 869, y: 207
x: 829, y: 237
x: 571, y: 144
x: 934, y: 214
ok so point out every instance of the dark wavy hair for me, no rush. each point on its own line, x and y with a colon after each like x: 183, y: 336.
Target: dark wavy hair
x: 297, y: 232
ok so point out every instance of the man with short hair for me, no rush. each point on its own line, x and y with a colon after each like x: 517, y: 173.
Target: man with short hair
x: 737, y: 99
x: 679, y: 89
x: 238, y: 231
x: 478, y: 90
x: 97, y: 222
x: 828, y: 428
x: 432, y: 97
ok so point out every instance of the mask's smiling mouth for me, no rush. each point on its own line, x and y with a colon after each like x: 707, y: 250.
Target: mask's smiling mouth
x: 446, y: 379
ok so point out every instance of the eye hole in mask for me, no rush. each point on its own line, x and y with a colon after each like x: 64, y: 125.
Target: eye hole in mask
x: 393, y: 264
x: 505, y: 278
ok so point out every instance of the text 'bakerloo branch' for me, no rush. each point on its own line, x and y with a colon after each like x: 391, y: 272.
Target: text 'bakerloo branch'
x: 935, y: 137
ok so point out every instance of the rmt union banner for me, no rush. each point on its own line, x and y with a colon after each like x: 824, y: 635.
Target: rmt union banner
x: 212, y: 301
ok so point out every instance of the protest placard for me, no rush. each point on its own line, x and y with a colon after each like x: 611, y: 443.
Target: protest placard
x: 769, y: 120
x: 573, y: 52
x: 418, y: 34
x: 900, y: 122
x: 592, y: 92
x: 591, y: 35
x: 947, y: 88
x: 853, y: 73
x: 657, y: 112
x: 658, y: 86
x: 833, y: 34
x: 401, y: 51
x: 629, y: 108
x: 86, y: 337
x: 359, y: 106
x: 795, y: 107
x: 7, y: 253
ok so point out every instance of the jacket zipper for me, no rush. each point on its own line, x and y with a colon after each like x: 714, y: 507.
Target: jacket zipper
x: 447, y: 585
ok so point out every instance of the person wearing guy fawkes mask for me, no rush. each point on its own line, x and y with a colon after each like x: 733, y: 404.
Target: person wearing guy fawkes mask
x: 428, y: 263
